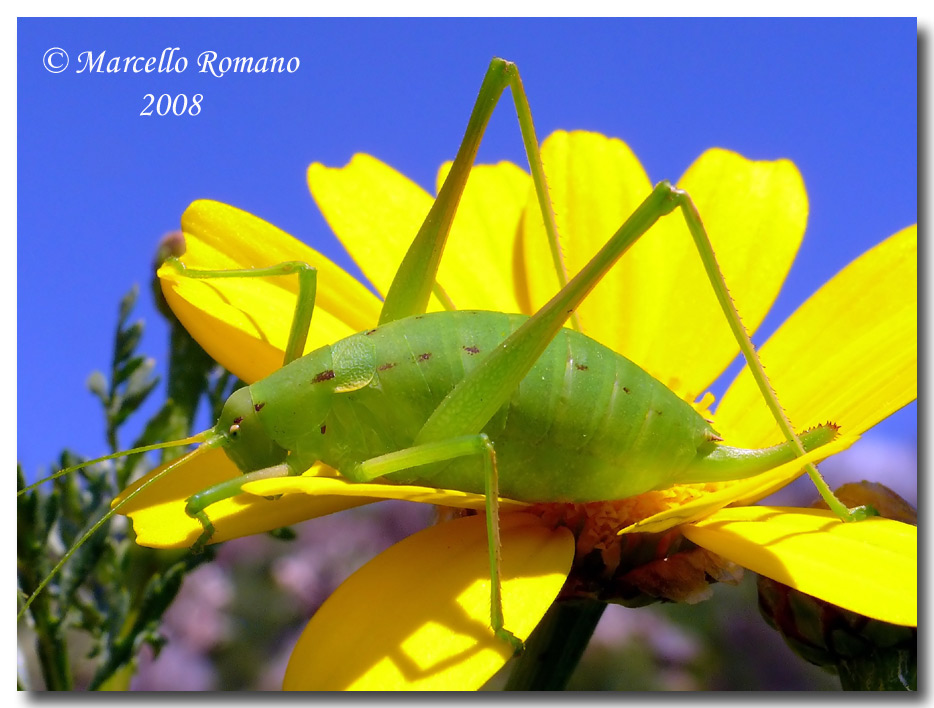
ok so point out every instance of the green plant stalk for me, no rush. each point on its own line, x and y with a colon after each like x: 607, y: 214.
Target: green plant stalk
x: 554, y: 649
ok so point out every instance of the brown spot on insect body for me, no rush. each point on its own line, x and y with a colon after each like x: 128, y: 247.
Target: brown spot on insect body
x: 423, y: 357
x: 323, y: 429
x: 323, y: 376
x: 626, y: 389
x: 238, y: 420
x: 582, y: 367
x: 258, y: 407
x: 472, y: 350
x: 369, y: 332
x: 386, y: 366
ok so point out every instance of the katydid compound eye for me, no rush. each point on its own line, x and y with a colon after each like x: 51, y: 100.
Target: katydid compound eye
x: 234, y: 429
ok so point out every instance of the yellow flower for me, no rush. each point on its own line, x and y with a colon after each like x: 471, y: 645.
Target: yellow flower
x: 418, y: 615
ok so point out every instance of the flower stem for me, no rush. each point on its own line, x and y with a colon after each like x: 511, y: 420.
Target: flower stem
x: 555, y: 647
x: 889, y: 669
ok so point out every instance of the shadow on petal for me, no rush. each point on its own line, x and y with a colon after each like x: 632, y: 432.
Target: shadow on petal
x: 869, y: 567
x: 417, y: 617
x: 339, y: 486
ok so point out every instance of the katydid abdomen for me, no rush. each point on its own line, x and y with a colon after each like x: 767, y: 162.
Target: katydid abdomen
x: 585, y: 423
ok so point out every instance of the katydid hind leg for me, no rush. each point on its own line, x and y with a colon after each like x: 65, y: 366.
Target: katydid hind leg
x: 717, y: 281
x: 412, y: 285
x: 304, y: 304
x: 475, y: 399
x: 469, y: 407
x: 442, y: 451
x: 473, y: 402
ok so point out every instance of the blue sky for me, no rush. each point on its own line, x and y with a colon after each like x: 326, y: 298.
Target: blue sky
x: 98, y: 184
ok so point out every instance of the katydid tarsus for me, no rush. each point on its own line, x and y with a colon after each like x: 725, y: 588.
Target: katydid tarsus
x: 458, y: 399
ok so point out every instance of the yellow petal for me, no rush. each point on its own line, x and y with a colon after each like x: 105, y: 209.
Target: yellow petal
x: 755, y: 213
x: 243, y: 323
x: 657, y: 306
x: 339, y: 486
x: 417, y: 617
x: 869, y: 567
x: 594, y: 183
x: 849, y: 354
x: 477, y: 268
x: 753, y: 488
x: 373, y: 210
x: 160, y: 521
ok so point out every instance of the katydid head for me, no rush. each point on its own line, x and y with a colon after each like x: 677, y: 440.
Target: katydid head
x: 243, y: 436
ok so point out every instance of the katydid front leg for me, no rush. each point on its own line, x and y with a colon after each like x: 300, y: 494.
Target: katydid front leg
x: 197, y: 504
x: 304, y: 304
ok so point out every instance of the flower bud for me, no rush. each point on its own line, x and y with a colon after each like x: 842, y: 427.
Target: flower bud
x: 867, y: 653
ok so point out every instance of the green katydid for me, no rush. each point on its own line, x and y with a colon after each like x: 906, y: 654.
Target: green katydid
x: 457, y: 399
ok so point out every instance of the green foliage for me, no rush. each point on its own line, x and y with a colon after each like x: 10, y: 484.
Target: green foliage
x: 108, y: 599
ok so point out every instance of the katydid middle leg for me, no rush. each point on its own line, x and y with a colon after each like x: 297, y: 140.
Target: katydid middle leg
x: 441, y: 451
